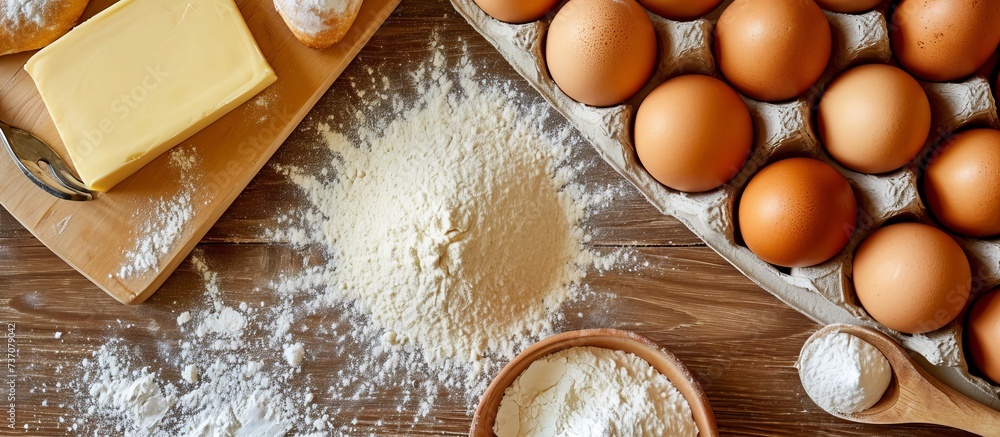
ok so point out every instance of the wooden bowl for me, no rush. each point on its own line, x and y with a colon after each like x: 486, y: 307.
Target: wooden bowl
x: 642, y: 347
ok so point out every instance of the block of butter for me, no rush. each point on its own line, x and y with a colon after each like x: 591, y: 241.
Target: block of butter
x: 143, y: 76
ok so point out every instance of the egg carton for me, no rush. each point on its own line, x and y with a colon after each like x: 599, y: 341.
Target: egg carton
x: 823, y: 292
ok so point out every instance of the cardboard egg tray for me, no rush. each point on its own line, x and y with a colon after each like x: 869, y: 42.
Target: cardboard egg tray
x: 823, y: 292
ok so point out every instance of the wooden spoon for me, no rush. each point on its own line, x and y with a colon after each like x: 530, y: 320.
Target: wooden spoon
x: 642, y: 347
x: 914, y: 396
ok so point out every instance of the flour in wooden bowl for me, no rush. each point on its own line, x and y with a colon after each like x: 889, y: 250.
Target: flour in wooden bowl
x: 591, y: 391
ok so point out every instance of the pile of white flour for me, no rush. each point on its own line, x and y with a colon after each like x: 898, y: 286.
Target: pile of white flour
x: 453, y: 226
x: 589, y: 391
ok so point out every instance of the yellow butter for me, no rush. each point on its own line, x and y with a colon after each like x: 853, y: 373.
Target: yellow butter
x: 142, y: 76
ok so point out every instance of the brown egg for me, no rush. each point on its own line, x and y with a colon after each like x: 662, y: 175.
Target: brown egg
x: 693, y: 133
x: 942, y: 40
x: 601, y: 52
x: 912, y: 277
x: 517, y: 11
x: 874, y: 118
x: 983, y: 335
x: 682, y: 10
x: 772, y: 49
x: 797, y: 212
x: 848, y: 6
x: 962, y: 183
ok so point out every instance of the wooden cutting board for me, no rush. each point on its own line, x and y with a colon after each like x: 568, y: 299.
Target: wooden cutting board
x: 96, y: 237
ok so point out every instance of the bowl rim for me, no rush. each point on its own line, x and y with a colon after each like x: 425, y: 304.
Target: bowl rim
x: 659, y: 358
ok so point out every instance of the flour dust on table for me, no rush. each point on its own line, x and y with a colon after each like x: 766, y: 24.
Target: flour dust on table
x: 225, y: 387
x: 164, y: 228
x: 441, y: 234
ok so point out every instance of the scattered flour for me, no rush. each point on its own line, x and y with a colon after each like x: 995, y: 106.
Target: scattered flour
x: 131, y: 394
x: 226, y: 321
x: 190, y: 373
x: 235, y: 383
x: 167, y: 221
x: 293, y: 354
x: 437, y: 241
x: 183, y: 318
x: 588, y: 391
x: 843, y: 373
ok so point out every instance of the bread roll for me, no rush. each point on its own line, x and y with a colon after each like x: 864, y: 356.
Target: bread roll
x: 33, y: 24
x: 318, y: 23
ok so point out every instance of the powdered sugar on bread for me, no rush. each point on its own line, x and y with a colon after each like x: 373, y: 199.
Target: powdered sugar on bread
x: 32, y: 24
x: 18, y: 12
x: 318, y: 23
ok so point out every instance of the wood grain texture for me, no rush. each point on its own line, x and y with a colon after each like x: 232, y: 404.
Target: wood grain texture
x: 231, y: 151
x: 738, y: 340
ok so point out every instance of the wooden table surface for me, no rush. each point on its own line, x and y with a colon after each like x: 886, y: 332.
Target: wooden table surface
x: 739, y: 340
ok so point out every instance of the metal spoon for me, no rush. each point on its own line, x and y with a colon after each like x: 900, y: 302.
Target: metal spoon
x: 55, y: 177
